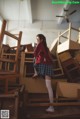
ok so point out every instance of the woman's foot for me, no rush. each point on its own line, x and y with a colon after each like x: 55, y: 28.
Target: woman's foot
x: 35, y: 76
x: 50, y: 109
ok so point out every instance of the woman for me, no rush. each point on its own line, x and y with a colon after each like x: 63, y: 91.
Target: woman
x: 43, y: 65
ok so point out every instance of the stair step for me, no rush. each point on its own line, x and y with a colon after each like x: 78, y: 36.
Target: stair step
x: 55, y: 99
x: 54, y: 104
x: 40, y: 113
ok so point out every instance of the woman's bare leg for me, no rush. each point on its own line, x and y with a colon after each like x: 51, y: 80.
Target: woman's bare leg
x: 50, y: 92
x: 35, y: 73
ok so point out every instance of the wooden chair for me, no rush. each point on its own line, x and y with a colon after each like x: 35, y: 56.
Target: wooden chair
x: 26, y: 66
x: 13, y: 102
x: 6, y: 59
x: 72, y: 70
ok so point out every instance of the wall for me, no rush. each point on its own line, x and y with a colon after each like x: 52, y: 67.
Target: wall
x: 49, y: 28
x: 43, y: 17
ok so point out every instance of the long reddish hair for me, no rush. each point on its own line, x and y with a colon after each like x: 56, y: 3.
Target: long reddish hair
x: 43, y: 40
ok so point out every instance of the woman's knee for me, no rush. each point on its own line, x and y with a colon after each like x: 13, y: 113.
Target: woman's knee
x: 47, y: 77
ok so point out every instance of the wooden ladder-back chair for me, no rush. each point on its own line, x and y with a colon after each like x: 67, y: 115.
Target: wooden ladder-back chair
x: 6, y: 58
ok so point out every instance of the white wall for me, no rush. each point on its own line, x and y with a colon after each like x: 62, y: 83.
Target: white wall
x: 44, y: 10
x: 49, y: 28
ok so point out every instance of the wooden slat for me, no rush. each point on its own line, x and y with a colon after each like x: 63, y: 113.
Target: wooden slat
x: 55, y: 60
x: 55, y: 99
x: 29, y: 58
x: 13, y: 90
x: 75, y: 29
x: 8, y: 95
x: 55, y: 104
x: 56, y: 75
x: 11, y: 35
x: 57, y: 69
x: 29, y: 61
x: 10, y: 54
x: 63, y: 32
x: 7, y: 60
x: 22, y: 64
x: 2, y: 33
x: 29, y: 52
x: 64, y: 37
x: 5, y: 75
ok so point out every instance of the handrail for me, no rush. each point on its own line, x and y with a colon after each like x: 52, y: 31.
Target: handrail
x: 75, y: 29
x: 9, y: 95
x: 64, y: 32
x: 64, y: 37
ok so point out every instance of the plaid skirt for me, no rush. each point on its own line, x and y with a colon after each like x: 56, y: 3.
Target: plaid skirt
x: 44, y: 69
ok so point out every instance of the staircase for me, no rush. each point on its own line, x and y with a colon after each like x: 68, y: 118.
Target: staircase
x: 38, y: 103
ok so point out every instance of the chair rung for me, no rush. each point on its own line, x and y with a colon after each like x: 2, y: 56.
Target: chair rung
x: 7, y: 60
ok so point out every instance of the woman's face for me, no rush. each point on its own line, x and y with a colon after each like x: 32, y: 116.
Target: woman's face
x: 38, y: 40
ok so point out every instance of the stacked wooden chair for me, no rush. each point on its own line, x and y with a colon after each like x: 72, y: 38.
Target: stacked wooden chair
x: 27, y: 60
x: 6, y: 73
x: 67, y: 49
x: 14, y: 103
x: 12, y: 97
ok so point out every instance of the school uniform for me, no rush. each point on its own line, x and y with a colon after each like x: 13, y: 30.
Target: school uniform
x: 43, y: 62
